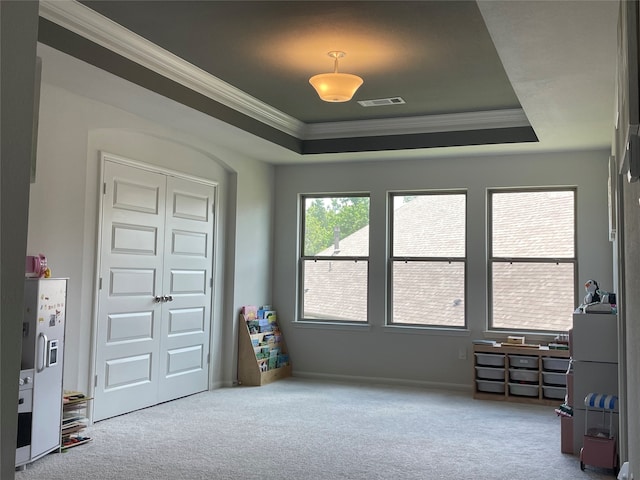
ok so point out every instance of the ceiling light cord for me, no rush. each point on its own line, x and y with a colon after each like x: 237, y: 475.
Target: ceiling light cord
x: 336, y: 55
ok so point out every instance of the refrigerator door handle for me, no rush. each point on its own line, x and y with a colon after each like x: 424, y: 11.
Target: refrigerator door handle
x: 44, y: 351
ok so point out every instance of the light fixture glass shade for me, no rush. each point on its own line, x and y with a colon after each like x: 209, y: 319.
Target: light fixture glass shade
x: 336, y: 87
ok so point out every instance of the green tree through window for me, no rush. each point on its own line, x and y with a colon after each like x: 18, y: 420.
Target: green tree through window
x: 334, y: 266
x: 326, y: 216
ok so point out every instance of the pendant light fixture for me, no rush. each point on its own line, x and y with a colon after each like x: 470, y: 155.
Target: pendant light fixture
x: 336, y: 87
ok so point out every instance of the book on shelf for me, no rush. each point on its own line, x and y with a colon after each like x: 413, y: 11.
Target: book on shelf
x: 74, y: 441
x: 73, y: 427
x: 265, y: 325
x: 250, y: 312
x: 72, y: 395
x: 72, y: 418
x: 273, y: 361
x: 263, y: 309
x: 283, y: 360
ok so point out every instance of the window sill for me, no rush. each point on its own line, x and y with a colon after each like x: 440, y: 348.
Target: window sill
x: 320, y: 325
x: 427, y: 330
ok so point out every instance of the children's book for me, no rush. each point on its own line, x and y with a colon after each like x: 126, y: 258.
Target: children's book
x: 283, y: 360
x: 253, y: 326
x: 270, y: 315
x: 265, y: 326
x: 250, y: 312
x: 273, y: 362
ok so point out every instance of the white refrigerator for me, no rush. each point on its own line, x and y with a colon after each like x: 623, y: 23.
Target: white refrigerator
x: 40, y: 397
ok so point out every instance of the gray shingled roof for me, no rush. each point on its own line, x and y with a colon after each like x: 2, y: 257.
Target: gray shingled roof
x: 432, y: 292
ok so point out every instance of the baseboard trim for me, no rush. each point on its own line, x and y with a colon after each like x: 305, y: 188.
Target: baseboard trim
x: 221, y: 384
x: 383, y: 381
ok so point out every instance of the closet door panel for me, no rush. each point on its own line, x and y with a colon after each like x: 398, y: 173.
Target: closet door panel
x: 187, y: 279
x: 131, y: 266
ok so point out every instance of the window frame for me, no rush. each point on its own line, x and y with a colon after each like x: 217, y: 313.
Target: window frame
x: 302, y: 258
x: 491, y: 259
x: 392, y: 258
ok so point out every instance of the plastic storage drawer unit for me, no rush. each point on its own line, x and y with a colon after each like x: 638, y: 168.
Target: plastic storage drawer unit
x: 490, y: 386
x: 554, y: 378
x: 490, y: 359
x: 523, y: 375
x: 557, y: 393
x: 555, y: 364
x: 523, y: 390
x: 490, y: 373
x: 523, y: 361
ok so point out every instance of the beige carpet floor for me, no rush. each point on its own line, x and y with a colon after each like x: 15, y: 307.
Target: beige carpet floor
x: 299, y: 429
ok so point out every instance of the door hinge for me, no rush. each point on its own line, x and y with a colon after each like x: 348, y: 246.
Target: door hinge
x: 211, y: 282
x: 100, y: 284
x: 208, y: 358
x: 104, y: 188
x: 95, y: 380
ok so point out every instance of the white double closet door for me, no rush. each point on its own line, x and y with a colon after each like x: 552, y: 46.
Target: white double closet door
x: 154, y: 302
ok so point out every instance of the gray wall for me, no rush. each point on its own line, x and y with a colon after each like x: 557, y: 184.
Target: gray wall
x: 78, y: 120
x: 409, y: 355
x: 18, y: 27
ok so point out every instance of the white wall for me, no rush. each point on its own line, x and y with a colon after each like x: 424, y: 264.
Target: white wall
x: 110, y: 114
x: 409, y: 355
x: 630, y: 198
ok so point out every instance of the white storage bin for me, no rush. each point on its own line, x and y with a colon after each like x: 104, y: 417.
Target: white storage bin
x: 556, y: 379
x: 523, y: 390
x: 523, y: 361
x: 523, y: 375
x: 490, y: 386
x: 490, y: 373
x: 556, y: 393
x: 555, y: 364
x: 490, y: 359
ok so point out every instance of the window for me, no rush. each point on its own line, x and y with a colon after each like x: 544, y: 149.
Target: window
x: 532, y: 259
x: 428, y: 259
x: 334, y: 264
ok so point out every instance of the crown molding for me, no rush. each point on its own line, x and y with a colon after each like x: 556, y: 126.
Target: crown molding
x: 96, y: 28
x: 89, y: 24
x: 419, y: 124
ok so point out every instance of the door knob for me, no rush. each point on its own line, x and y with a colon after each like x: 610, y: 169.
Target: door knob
x: 163, y: 298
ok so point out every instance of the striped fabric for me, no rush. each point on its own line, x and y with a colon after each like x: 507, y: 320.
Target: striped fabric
x: 600, y: 400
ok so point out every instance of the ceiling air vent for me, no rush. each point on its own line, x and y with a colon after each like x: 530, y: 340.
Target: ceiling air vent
x: 378, y: 102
